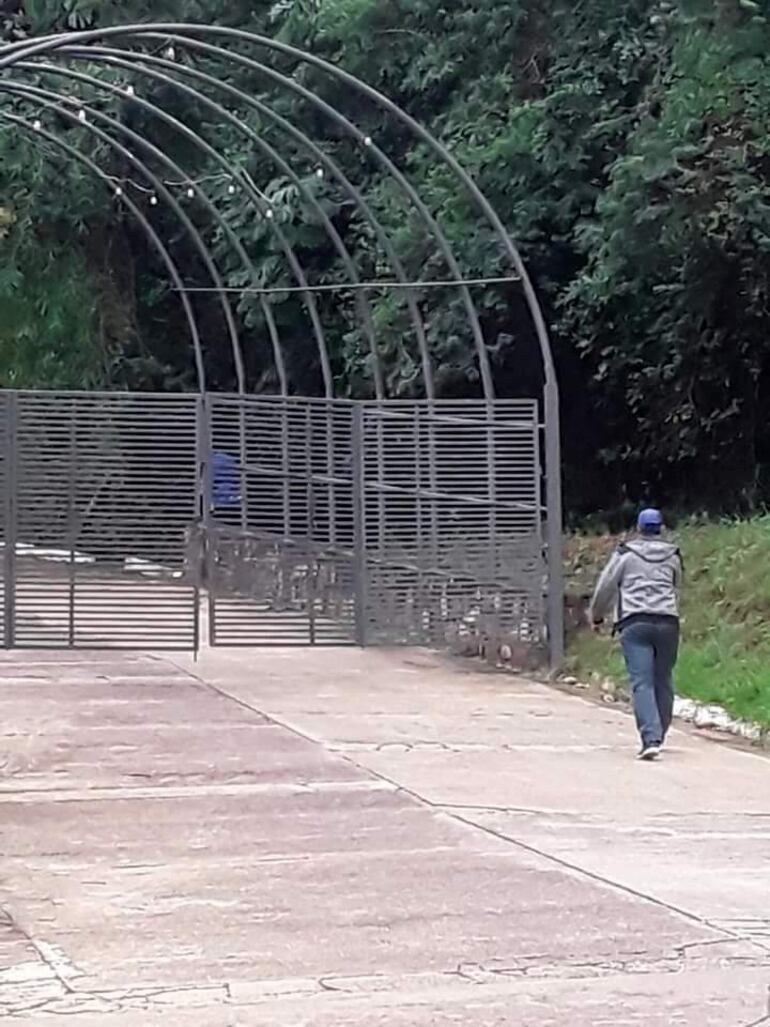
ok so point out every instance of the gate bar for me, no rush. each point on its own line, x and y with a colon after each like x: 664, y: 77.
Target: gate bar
x: 11, y: 528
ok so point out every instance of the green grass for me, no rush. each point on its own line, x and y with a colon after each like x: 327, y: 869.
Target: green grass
x: 725, y: 654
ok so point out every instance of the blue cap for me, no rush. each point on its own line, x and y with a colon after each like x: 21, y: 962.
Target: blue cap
x: 650, y: 522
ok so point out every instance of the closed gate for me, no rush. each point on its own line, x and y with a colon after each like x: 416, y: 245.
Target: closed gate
x: 280, y: 530
x: 384, y: 523
x: 303, y: 521
x: 98, y: 493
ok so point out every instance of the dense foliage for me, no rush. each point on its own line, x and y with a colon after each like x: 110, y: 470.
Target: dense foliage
x: 627, y: 146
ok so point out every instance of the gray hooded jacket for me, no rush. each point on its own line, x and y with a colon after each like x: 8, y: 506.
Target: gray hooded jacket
x: 643, y: 577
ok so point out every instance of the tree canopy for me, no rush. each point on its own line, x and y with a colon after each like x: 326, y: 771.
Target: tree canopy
x: 626, y: 147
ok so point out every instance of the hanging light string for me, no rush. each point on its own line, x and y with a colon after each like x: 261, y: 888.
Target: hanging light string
x: 189, y: 185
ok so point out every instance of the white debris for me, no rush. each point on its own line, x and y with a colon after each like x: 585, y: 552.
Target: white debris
x: 685, y: 709
x: 751, y: 732
x: 713, y: 717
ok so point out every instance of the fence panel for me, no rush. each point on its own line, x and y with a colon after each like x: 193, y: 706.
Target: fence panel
x: 453, y: 524
x: 314, y: 521
x: 104, y: 489
x: 280, y: 567
x: 7, y: 457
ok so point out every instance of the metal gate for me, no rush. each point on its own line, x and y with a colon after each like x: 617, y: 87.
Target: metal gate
x: 98, y: 493
x: 303, y: 521
x: 280, y: 534
x: 452, y: 524
x: 376, y: 523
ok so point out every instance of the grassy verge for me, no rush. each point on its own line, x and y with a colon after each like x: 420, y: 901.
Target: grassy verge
x: 725, y: 655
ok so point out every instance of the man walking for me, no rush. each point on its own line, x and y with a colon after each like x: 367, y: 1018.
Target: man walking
x: 641, y: 582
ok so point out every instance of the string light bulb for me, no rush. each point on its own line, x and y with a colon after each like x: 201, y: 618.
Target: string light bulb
x: 269, y: 214
x: 231, y: 189
x: 170, y: 53
x: 118, y: 191
x: 81, y: 115
x: 153, y: 200
x: 191, y: 193
x: 37, y: 124
x: 367, y: 140
x: 130, y: 90
x: 319, y: 173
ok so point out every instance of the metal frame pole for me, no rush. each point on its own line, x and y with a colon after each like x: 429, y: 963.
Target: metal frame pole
x: 360, y: 564
x: 554, y: 528
x: 11, y: 526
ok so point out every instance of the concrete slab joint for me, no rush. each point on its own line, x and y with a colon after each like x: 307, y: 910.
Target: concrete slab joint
x: 354, y: 839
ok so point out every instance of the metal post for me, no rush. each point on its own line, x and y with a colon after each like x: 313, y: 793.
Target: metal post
x: 360, y: 569
x: 420, y: 513
x: 200, y: 538
x: 11, y: 527
x: 242, y: 461
x: 331, y: 492
x: 285, y: 531
x: 72, y: 531
x: 205, y: 431
x: 554, y: 538
x: 311, y: 563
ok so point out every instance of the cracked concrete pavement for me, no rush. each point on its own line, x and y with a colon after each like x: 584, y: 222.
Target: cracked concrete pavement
x: 337, y: 838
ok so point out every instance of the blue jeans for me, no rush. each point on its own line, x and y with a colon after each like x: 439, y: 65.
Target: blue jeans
x: 650, y: 647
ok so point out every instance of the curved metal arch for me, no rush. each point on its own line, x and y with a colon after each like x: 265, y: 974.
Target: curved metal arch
x: 120, y: 59
x: 381, y: 158
x: 260, y: 204
x: 159, y: 187
x: 137, y: 63
x: 188, y: 38
x: 186, y: 33
x: 49, y: 101
x: 140, y: 60
x: 152, y: 235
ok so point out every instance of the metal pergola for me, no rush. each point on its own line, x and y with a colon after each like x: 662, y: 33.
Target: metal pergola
x: 65, y: 80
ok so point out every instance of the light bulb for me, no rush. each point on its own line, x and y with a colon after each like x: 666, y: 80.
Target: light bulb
x: 367, y: 140
x: 37, y: 124
x: 153, y: 201
x: 191, y: 193
x: 268, y: 214
x: 319, y: 173
x: 81, y: 115
x: 130, y: 90
x: 231, y: 189
x: 118, y: 191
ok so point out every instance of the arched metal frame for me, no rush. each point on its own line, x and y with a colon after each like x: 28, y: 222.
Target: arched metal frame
x: 20, y: 59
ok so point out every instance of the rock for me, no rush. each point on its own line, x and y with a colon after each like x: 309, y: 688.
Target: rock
x: 570, y: 681
x: 685, y: 709
x: 751, y: 732
x: 712, y: 716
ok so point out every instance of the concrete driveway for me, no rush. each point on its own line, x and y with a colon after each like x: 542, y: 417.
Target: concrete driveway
x: 336, y: 838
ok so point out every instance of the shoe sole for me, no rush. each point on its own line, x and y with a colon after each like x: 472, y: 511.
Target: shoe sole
x: 649, y: 755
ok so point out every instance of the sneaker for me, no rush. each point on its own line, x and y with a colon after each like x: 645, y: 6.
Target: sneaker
x: 649, y: 752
